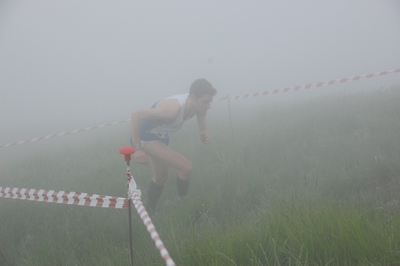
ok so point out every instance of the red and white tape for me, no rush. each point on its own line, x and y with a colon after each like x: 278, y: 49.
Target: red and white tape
x: 311, y: 85
x: 64, y: 133
x: 152, y: 230
x: 248, y: 95
x: 134, y: 194
x: 64, y: 197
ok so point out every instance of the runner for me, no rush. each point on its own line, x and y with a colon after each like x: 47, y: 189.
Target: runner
x: 151, y: 131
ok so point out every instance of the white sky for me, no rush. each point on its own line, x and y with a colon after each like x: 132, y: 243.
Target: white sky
x: 84, y: 63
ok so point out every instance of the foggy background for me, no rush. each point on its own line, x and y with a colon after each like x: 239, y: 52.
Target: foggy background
x: 72, y: 64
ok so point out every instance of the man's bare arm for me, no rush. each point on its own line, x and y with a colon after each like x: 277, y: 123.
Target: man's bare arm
x: 167, y: 110
x: 204, y: 132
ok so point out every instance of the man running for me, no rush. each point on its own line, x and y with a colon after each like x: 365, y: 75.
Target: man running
x: 152, y: 128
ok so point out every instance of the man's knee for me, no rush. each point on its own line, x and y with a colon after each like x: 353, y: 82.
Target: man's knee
x: 160, y: 179
x: 186, y: 171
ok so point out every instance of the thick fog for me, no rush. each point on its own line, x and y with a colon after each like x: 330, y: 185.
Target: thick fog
x: 71, y: 64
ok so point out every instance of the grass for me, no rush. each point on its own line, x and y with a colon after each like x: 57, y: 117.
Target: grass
x: 313, y: 182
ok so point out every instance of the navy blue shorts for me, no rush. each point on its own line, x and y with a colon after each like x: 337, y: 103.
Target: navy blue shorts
x: 149, y: 139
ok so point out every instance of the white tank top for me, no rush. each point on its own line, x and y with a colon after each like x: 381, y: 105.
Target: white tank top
x: 164, y: 130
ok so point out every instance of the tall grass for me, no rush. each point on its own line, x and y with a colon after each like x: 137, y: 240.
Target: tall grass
x: 309, y: 183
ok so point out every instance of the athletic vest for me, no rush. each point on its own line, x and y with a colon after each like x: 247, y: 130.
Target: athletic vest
x: 161, y: 129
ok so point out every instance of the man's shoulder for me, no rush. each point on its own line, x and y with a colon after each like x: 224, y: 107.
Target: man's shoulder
x: 172, y: 103
x: 168, y: 107
x: 179, y: 97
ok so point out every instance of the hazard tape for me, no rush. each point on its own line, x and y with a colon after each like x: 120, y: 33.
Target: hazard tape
x: 93, y: 200
x: 311, y: 85
x: 134, y: 193
x: 152, y: 230
x: 64, y: 133
x: 64, y: 197
x: 244, y: 96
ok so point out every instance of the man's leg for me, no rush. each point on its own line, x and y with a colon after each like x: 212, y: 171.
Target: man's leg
x: 182, y: 186
x: 160, y: 152
x: 160, y: 176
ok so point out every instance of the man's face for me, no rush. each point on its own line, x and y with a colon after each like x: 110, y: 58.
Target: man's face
x: 203, y: 103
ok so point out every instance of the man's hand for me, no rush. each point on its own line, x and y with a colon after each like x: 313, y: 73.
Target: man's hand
x: 140, y: 157
x: 205, y: 137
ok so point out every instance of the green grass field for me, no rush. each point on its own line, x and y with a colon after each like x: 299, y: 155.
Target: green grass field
x: 314, y: 182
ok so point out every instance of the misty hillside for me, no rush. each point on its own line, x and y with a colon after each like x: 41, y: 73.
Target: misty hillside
x: 317, y: 177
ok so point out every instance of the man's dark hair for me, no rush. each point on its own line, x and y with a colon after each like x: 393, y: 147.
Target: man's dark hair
x: 200, y: 87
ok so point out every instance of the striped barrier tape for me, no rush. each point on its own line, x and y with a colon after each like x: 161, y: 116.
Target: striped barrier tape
x: 311, y: 85
x: 152, y: 230
x: 64, y: 133
x: 92, y: 200
x: 134, y: 194
x: 249, y: 95
x: 64, y: 197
